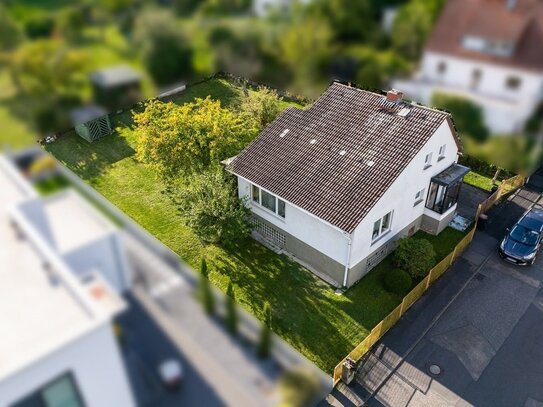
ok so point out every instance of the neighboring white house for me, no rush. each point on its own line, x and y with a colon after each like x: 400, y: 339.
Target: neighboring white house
x: 335, y: 185
x: 490, y: 52
x: 57, y: 346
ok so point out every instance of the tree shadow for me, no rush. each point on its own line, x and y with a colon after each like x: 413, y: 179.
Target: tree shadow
x: 90, y: 160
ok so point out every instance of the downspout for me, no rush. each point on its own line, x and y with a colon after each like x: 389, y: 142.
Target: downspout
x: 346, y: 272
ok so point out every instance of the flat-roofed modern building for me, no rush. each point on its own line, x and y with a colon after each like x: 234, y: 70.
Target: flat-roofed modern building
x: 57, y: 346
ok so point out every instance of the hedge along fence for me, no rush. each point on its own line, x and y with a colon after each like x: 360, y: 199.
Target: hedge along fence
x: 437, y: 271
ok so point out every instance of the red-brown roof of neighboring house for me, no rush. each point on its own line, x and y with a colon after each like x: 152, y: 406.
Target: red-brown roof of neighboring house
x: 361, y: 145
x: 521, y: 24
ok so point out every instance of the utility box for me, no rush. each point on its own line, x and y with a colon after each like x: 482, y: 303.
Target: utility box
x: 91, y: 123
x: 349, y: 371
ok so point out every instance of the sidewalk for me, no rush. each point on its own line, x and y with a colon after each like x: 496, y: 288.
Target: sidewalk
x: 230, y: 364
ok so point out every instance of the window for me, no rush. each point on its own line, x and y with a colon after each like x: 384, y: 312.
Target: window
x: 441, y: 68
x: 268, y: 201
x: 442, y: 152
x: 61, y: 392
x: 381, y: 226
x: 476, y: 78
x: 428, y: 160
x: 256, y: 193
x: 419, y: 196
x: 512, y: 83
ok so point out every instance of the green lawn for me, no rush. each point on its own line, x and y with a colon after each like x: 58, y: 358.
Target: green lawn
x: 306, y: 312
x: 443, y: 243
x: 479, y: 180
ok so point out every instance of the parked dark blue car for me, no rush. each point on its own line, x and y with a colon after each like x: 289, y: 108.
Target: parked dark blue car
x: 522, y: 242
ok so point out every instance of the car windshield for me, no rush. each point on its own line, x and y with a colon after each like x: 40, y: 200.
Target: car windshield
x: 524, y: 235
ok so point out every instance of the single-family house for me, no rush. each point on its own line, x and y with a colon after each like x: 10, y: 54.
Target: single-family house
x: 335, y: 185
x: 489, y: 52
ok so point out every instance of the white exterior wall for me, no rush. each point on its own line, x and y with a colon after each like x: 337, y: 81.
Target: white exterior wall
x: 400, y: 197
x: 95, y: 363
x: 305, y: 227
x: 505, y: 110
x: 105, y: 256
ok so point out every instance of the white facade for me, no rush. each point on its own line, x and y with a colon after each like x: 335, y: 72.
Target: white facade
x: 94, y: 362
x: 507, y: 95
x: 349, y: 250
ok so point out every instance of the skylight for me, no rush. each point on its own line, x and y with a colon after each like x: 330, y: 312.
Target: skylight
x: 404, y: 112
x: 284, y: 133
x: 342, y: 152
x: 312, y: 141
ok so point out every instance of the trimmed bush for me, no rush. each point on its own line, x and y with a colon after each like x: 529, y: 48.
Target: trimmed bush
x: 398, y: 282
x: 415, y: 256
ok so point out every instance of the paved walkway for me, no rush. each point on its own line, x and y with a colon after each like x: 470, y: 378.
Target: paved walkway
x: 481, y: 324
x: 238, y: 377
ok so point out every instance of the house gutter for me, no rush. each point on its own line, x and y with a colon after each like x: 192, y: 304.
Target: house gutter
x: 348, y: 262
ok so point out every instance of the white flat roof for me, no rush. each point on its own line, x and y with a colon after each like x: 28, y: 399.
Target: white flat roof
x: 73, y: 222
x: 38, y: 313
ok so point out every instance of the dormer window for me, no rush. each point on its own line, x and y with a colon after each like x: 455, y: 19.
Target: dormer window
x: 488, y: 46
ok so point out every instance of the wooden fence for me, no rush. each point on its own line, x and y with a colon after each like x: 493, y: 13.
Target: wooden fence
x: 390, y: 320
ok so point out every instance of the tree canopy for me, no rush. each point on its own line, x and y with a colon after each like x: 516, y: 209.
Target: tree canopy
x: 262, y: 106
x: 175, y: 140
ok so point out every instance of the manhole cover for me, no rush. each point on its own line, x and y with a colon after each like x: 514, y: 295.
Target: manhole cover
x: 434, y: 369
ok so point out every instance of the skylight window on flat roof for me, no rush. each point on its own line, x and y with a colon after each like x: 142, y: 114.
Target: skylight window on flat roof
x: 284, y: 133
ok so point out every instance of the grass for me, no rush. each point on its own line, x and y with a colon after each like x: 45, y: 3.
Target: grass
x: 480, y: 181
x: 443, y: 243
x: 306, y: 312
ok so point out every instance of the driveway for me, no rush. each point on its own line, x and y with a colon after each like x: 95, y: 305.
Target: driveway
x: 479, y: 329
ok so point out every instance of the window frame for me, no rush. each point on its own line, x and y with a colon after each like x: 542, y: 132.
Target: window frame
x: 419, y: 196
x: 38, y: 394
x: 428, y: 160
x: 441, y: 153
x: 382, y: 231
x: 278, y: 201
x: 513, y: 83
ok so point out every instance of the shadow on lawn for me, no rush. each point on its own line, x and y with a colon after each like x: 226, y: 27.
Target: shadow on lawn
x: 90, y: 160
x: 306, y: 312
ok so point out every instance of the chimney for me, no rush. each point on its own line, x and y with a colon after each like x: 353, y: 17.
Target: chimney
x: 394, y: 95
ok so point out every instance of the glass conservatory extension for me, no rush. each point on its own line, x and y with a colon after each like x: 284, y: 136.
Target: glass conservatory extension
x: 445, y: 187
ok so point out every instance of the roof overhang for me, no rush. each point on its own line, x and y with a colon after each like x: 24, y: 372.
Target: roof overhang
x: 451, y: 175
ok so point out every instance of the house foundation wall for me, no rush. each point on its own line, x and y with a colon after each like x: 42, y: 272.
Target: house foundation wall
x: 364, y: 266
x: 435, y: 226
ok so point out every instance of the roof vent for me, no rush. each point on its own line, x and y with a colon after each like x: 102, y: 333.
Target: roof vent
x: 394, y: 95
x: 312, y: 141
x: 342, y: 152
x: 284, y: 133
x: 370, y: 163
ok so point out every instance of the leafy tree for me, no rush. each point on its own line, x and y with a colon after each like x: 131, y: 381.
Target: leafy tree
x: 48, y: 67
x: 226, y: 6
x: 162, y: 46
x: 305, y: 47
x: 11, y: 34
x: 71, y: 23
x: 206, y: 292
x: 185, y: 7
x: 411, y: 27
x: 175, y: 140
x: 376, y: 67
x: 415, y: 256
x: 231, y: 311
x: 263, y: 106
x: 468, y: 117
x: 264, y: 344
x: 349, y: 20
x: 40, y: 27
x: 210, y: 207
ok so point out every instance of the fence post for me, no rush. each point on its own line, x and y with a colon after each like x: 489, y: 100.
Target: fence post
x: 428, y: 278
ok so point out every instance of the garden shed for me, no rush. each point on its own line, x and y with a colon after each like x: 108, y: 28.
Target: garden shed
x: 116, y: 87
x: 91, y: 122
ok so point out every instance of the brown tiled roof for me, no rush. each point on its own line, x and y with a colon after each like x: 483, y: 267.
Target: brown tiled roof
x: 340, y: 189
x: 492, y: 19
